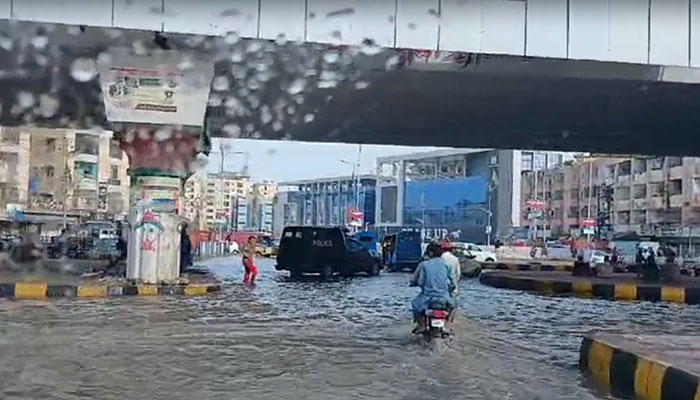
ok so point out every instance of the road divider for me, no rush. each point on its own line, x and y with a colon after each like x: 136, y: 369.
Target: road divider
x: 528, y: 266
x: 622, y: 287
x: 38, y: 290
x: 644, y: 367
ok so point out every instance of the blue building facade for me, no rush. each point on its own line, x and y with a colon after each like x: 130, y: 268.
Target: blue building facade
x: 468, y: 195
x: 329, y: 201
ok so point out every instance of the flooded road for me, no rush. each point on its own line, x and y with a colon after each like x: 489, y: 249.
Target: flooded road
x: 285, y: 339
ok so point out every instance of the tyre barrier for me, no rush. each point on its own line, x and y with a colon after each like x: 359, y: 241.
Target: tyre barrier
x: 526, y: 267
x: 592, y: 289
x: 629, y: 375
x: 43, y: 290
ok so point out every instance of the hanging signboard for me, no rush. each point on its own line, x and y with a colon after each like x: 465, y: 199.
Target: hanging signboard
x: 167, y: 87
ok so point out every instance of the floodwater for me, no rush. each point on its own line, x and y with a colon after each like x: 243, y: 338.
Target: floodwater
x: 284, y: 339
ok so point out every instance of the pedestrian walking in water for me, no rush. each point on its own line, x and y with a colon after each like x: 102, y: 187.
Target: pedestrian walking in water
x: 248, y: 252
x: 185, y: 248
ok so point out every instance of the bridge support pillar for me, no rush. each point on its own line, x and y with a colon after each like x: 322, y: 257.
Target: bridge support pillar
x: 160, y: 159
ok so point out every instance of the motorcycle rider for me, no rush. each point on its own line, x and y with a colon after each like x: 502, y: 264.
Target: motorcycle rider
x: 436, y: 283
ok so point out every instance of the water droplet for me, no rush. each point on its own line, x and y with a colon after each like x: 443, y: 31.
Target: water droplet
x: 164, y: 134
x: 434, y: 13
x: 104, y: 58
x: 341, y: 13
x: 256, y: 135
x: 337, y: 34
x: 369, y: 48
x: 361, y: 85
x: 281, y: 39
x: 254, y: 101
x: 239, y: 72
x: 231, y: 12
x: 291, y: 110
x: 83, y: 69
x: 391, y: 19
x: 277, y: 126
x: 25, y: 99
x: 138, y: 47
x: 74, y: 30
x: 253, y: 47
x: 220, y: 84
x: 297, y: 86
x: 214, y: 101
x: 40, y: 41
x: 48, y: 105
x: 253, y: 84
x: 237, y: 56
x: 265, y: 115
x: 249, y: 128
x: 331, y: 57
x: 232, y: 38
x: 391, y: 62
x: 6, y: 43
x: 232, y: 130
x: 309, y: 118
x: 312, y: 15
x: 412, y: 26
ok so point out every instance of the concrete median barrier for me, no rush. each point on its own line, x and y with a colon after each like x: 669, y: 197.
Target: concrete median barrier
x: 42, y: 290
x: 622, y: 287
x: 644, y: 367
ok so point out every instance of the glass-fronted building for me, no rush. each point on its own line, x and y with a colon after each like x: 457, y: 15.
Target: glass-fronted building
x: 472, y: 195
x: 330, y: 201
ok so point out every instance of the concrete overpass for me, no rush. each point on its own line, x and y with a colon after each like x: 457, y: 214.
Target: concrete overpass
x: 658, y: 32
x: 441, y: 98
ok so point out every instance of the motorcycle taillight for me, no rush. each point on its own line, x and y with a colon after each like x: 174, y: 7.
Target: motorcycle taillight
x: 439, y: 314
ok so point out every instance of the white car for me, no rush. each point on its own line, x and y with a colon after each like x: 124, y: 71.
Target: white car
x: 480, y: 254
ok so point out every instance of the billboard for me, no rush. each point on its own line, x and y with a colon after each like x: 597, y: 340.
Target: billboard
x: 167, y: 87
x: 453, y: 208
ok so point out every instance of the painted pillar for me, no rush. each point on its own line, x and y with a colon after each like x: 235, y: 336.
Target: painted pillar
x: 158, y: 169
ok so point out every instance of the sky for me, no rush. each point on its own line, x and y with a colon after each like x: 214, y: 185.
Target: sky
x: 282, y: 161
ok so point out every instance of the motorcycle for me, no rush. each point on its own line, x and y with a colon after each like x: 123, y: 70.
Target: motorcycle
x: 434, y: 320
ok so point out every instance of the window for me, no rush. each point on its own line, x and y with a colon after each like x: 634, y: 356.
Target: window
x: 114, y: 172
x: 48, y: 171
x: 85, y: 171
x: 50, y: 145
x: 675, y: 187
x: 10, y: 136
x: 86, y: 143
x: 9, y: 161
x: 574, y: 194
x: 674, y: 161
x: 114, y: 150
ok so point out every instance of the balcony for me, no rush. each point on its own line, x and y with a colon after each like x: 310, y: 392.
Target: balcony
x: 639, y: 204
x: 622, y: 205
x: 624, y: 178
x: 678, y: 200
x: 656, y: 203
x: 677, y: 172
x: 115, y: 182
x: 656, y: 175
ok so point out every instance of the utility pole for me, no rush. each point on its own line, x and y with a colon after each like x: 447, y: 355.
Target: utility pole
x: 66, y: 179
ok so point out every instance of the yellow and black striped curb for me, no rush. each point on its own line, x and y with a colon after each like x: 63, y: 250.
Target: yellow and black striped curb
x: 43, y: 290
x: 526, y: 267
x: 629, y: 375
x: 588, y: 289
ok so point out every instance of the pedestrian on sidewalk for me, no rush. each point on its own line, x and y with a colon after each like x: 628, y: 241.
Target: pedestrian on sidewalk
x: 248, y: 252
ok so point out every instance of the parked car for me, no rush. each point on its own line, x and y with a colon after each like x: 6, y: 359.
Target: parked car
x: 598, y: 257
x: 480, y: 254
x: 324, y: 251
